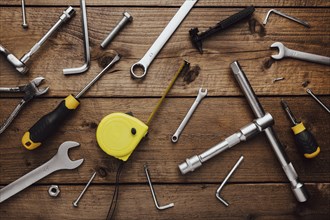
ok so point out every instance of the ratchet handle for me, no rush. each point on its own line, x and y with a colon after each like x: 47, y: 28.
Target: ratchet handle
x: 236, y: 17
x: 306, y: 141
x: 49, y: 123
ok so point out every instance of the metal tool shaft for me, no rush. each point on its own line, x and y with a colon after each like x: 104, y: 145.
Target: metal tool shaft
x: 298, y: 188
x: 75, y: 203
x: 317, y: 100
x: 304, y: 23
x: 24, y: 24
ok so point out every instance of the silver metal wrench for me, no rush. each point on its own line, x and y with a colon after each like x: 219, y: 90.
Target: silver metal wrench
x: 61, y: 161
x: 201, y: 94
x: 286, y: 52
x: 162, y: 39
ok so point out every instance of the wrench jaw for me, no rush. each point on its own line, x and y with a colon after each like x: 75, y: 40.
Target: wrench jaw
x: 281, y: 50
x: 64, y: 158
x: 140, y: 66
x: 202, y: 92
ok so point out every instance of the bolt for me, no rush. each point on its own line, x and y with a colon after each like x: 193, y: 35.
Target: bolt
x: 25, y: 25
x: 126, y: 19
x: 278, y: 79
x: 75, y: 203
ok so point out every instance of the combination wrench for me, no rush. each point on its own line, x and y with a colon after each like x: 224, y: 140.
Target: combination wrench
x: 201, y: 94
x: 162, y: 39
x: 61, y: 161
x: 286, y: 52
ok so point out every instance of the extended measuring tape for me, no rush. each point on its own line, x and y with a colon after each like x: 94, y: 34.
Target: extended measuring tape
x: 118, y: 134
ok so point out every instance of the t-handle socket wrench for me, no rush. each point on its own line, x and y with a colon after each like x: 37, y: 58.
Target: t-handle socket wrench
x: 297, y: 187
x: 20, y: 64
x: 201, y: 94
x: 244, y: 134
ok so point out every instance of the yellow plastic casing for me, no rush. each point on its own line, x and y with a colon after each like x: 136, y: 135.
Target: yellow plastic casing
x: 118, y: 134
x: 298, y: 128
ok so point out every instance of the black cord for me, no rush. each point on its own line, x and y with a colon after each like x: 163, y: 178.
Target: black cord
x: 115, y: 196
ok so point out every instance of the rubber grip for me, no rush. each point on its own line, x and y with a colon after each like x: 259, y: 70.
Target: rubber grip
x: 307, y: 144
x: 49, y: 123
x: 233, y: 19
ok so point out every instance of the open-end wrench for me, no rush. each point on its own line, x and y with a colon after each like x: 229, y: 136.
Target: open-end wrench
x: 201, y: 94
x: 286, y: 52
x: 31, y: 90
x: 61, y: 161
x: 162, y: 39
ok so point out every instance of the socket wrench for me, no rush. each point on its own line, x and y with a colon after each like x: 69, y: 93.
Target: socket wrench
x: 297, y: 187
x: 162, y: 39
x: 20, y: 64
x: 244, y: 134
x: 201, y: 94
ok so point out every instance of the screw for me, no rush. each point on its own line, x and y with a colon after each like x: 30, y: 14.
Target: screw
x: 278, y: 79
x: 127, y: 18
x: 318, y: 100
x: 75, y: 203
x: 25, y: 25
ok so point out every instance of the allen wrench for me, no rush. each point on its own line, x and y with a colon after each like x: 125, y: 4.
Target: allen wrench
x: 304, y: 23
x: 85, y: 67
x: 217, y: 193
x: 153, y: 192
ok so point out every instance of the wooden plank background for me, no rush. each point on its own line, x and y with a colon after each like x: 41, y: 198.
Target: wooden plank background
x: 258, y: 190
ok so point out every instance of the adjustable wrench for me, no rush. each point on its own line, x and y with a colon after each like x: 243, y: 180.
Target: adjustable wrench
x: 286, y: 52
x: 162, y: 39
x: 60, y: 161
x: 31, y: 90
x: 201, y: 94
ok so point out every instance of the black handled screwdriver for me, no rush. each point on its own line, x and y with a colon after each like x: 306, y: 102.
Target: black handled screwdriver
x: 304, y: 138
x: 49, y: 123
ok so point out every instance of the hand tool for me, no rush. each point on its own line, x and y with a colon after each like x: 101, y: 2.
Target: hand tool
x: 304, y: 138
x: 286, y: 52
x: 162, y: 39
x: 118, y: 134
x: 61, y: 161
x: 24, y: 24
x: 125, y: 20
x: 197, y: 39
x: 304, y: 23
x: 87, y: 52
x: 54, y: 190
x: 309, y: 91
x: 217, y: 193
x: 49, y: 123
x: 31, y: 90
x: 244, y: 134
x: 201, y: 94
x: 278, y: 79
x: 20, y: 64
x: 153, y: 192
x: 75, y: 202
x: 297, y: 187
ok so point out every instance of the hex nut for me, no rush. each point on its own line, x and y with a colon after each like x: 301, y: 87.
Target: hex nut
x: 54, y: 190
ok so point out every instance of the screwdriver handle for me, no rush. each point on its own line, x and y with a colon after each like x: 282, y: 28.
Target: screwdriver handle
x: 48, y: 124
x: 306, y: 141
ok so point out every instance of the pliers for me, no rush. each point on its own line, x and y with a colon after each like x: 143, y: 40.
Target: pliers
x: 31, y: 90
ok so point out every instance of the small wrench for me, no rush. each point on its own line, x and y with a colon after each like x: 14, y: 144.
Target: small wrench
x: 286, y: 52
x: 201, y: 94
x: 61, y: 161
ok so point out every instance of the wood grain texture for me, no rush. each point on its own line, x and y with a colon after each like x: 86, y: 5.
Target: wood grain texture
x: 165, y: 3
x: 247, y: 42
x: 247, y: 201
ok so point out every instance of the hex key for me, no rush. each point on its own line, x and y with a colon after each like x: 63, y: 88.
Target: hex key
x: 85, y: 67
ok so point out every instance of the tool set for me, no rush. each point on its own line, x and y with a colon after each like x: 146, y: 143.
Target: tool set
x: 304, y: 23
x: 20, y: 64
x: 118, y: 134
x: 304, y: 138
x: 31, y: 90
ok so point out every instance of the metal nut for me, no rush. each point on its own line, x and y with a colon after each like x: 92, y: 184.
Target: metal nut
x: 54, y: 190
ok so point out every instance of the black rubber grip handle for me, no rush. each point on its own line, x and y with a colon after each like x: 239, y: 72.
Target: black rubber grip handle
x: 233, y: 19
x: 48, y: 124
x: 306, y: 142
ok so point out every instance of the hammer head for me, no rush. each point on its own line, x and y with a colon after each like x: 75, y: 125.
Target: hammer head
x: 14, y: 61
x: 197, y: 42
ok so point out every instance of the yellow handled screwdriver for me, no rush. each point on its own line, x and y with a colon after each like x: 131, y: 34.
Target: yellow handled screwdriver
x: 304, y: 138
x: 49, y: 123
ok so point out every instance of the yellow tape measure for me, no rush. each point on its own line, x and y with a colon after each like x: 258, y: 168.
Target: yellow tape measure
x: 118, y: 134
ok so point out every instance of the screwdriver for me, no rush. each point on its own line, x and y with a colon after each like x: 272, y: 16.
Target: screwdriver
x: 48, y: 124
x: 304, y: 139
